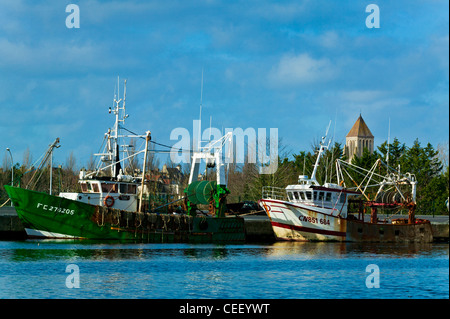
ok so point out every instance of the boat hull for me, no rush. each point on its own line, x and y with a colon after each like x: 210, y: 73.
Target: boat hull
x: 49, y: 216
x: 292, y: 222
x: 419, y: 232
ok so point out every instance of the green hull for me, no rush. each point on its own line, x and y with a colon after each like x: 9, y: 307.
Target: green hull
x: 46, y: 215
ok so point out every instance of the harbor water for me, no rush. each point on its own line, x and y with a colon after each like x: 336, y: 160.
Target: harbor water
x: 90, y: 270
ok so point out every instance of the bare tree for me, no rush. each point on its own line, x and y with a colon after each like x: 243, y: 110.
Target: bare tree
x: 6, y: 163
x: 91, y: 163
x: 152, y: 160
x: 133, y: 161
x: 443, y: 154
x: 27, y: 159
x: 71, y: 162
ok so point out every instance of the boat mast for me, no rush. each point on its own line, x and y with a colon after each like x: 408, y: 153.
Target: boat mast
x: 52, y: 146
x: 321, y: 149
x: 120, y: 117
x: 116, y: 130
x: 199, y: 142
x: 111, y: 154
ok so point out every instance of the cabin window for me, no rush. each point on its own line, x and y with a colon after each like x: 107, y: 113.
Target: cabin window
x: 321, y: 196
x: 296, y: 196
x: 129, y: 189
x: 124, y: 197
x: 342, y: 198
x: 328, y: 197
x: 291, y: 195
x: 84, y: 188
x: 95, y: 188
x: 109, y: 188
x: 302, y: 195
x: 315, y: 195
x: 308, y: 195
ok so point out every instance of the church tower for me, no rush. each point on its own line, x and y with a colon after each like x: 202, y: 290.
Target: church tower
x: 358, y: 138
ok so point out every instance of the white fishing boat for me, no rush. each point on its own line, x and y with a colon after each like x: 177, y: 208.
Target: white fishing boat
x: 308, y: 211
x: 107, y: 185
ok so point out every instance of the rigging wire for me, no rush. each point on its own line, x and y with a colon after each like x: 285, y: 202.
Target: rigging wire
x: 156, y: 143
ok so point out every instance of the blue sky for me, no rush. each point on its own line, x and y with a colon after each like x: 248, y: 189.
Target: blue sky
x: 292, y: 65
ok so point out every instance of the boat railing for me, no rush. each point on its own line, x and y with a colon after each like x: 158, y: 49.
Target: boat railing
x: 271, y: 192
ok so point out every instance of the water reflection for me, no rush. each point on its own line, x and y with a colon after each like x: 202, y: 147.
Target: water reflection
x: 340, y: 250
x: 94, y: 251
x: 50, y: 250
x: 299, y: 270
x: 213, y: 253
x: 305, y: 249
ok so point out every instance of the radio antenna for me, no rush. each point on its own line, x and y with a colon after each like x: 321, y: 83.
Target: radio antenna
x: 200, y: 117
x: 389, y: 135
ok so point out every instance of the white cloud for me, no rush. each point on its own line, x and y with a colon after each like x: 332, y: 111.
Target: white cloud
x: 362, y: 96
x: 55, y: 57
x: 280, y: 11
x: 330, y: 39
x: 301, y: 69
x: 439, y: 48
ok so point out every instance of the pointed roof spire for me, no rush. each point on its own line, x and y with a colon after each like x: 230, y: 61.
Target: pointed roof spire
x: 360, y: 129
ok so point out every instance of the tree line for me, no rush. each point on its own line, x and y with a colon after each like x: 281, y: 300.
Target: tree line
x: 30, y: 176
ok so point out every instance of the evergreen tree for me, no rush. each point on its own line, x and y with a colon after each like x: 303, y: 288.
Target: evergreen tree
x: 396, y: 152
x: 366, y: 160
x: 426, y: 166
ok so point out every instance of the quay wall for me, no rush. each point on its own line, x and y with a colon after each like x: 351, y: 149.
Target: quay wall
x: 10, y: 225
x: 440, y: 231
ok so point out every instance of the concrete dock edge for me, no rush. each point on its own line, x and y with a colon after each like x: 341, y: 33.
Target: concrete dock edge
x: 10, y: 225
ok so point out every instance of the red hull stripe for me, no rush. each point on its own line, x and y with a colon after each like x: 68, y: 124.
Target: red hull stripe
x: 310, y: 230
x: 310, y: 208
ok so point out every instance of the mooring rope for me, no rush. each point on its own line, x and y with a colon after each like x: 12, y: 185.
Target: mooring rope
x: 168, y: 204
x: 5, y: 202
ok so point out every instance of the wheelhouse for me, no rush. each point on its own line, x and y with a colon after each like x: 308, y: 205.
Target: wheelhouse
x: 96, y: 186
x: 316, y: 195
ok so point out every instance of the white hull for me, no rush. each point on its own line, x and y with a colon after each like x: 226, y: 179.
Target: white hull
x: 128, y: 203
x: 35, y: 233
x: 298, y: 222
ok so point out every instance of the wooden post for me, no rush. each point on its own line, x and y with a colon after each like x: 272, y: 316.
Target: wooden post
x: 361, y: 210
x: 411, y: 213
x: 373, y: 214
x: 147, y: 139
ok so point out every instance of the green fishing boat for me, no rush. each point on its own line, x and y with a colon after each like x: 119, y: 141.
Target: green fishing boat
x: 113, y: 205
x: 49, y: 216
